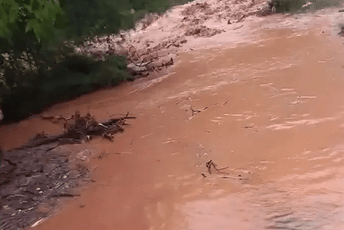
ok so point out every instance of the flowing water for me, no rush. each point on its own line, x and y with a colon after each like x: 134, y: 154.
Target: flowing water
x: 271, y: 113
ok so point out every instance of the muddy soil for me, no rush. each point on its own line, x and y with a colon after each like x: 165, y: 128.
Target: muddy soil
x: 33, y: 180
x: 35, y: 176
x: 264, y: 104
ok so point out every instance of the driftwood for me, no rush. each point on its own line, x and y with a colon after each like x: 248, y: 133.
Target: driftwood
x: 34, y: 176
x: 79, y: 129
x: 143, y: 69
x: 210, y: 164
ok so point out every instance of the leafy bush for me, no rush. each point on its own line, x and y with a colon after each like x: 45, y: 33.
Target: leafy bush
x: 73, y: 76
x: 99, y: 17
x: 320, y: 4
x: 288, y: 5
x: 38, y: 65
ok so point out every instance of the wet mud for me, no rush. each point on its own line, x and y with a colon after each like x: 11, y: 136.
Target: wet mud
x: 32, y: 181
x: 35, y: 176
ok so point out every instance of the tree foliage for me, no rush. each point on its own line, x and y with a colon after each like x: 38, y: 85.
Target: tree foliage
x: 37, y: 39
x: 90, y: 17
x: 25, y: 16
x: 26, y: 26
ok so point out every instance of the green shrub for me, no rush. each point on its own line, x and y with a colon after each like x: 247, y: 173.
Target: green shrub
x: 100, y: 17
x: 320, y: 4
x: 288, y: 5
x: 73, y: 76
x: 38, y: 66
x: 297, y: 5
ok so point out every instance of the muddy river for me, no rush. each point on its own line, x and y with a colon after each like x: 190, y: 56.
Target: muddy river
x: 269, y: 113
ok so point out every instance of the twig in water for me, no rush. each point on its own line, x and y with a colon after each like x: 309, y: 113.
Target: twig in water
x: 238, y: 27
x: 210, y: 164
x: 193, y: 111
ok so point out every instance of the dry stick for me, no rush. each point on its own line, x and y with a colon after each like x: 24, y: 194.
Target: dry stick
x: 66, y: 195
x: 238, y: 27
x: 101, y: 125
x: 119, y: 119
x: 241, y: 18
x: 194, y: 111
x: 55, y: 146
x: 143, y: 65
x: 210, y: 164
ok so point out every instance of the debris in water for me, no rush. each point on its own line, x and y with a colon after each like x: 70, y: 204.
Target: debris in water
x: 210, y: 164
x: 236, y: 28
x: 81, y: 128
x: 202, y: 31
x: 38, y: 174
x: 66, y: 195
x: 195, y: 111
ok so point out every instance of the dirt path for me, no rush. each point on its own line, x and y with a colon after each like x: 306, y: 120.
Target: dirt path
x: 268, y: 106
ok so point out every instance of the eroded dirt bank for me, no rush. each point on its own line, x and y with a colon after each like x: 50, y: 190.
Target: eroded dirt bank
x: 270, y: 110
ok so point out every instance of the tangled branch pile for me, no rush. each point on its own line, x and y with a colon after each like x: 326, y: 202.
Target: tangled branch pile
x: 81, y: 128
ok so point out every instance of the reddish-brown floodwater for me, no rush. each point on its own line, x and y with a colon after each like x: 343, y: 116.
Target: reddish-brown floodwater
x: 272, y: 112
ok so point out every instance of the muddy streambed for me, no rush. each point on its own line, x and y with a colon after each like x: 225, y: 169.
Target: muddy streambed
x: 270, y: 113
